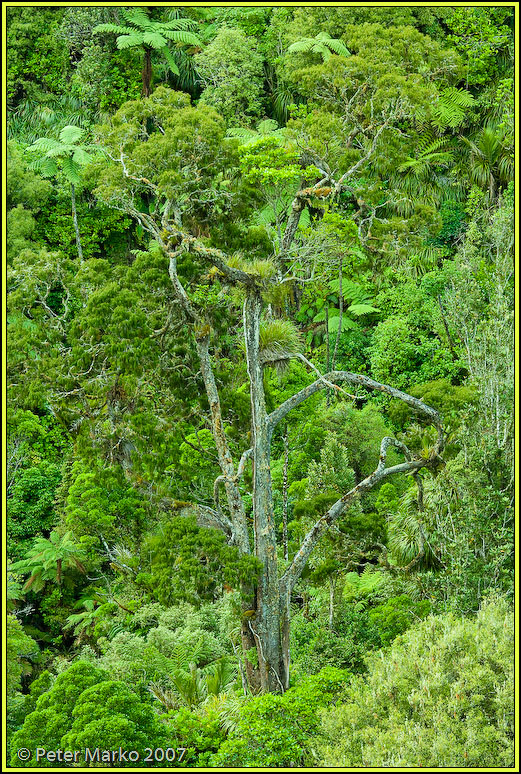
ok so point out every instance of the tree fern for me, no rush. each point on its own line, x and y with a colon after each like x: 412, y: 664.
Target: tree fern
x: 151, y: 35
x: 321, y: 44
x: 451, y: 107
x: 266, y: 128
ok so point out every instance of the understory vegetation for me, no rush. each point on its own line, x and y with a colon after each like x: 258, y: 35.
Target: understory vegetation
x: 260, y: 385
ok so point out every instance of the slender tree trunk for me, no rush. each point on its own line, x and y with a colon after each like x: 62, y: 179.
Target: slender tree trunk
x: 75, y: 221
x: 285, y: 493
x: 331, y: 600
x: 146, y: 75
x: 341, y: 308
x: 328, y: 394
x: 447, y: 332
x: 59, y: 572
x: 492, y: 187
x: 235, y: 506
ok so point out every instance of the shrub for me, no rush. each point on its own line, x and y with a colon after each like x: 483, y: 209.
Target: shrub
x: 441, y: 696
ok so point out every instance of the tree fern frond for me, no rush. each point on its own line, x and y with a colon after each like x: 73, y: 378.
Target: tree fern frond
x: 154, y: 39
x: 301, y: 46
x: 71, y: 170
x: 44, y: 145
x: 179, y: 24
x: 170, y: 60
x: 137, y: 17
x: 242, y: 134
x: 71, y: 134
x: 337, y: 47
x: 116, y: 29
x: 127, y: 41
x: 182, y: 36
x: 450, y: 110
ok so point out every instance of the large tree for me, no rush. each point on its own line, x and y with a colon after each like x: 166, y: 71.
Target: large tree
x: 161, y: 152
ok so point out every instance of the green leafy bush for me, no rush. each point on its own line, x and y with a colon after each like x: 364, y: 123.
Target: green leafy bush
x: 441, y: 696
x: 275, y: 731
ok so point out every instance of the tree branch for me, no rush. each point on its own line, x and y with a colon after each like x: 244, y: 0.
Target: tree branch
x: 322, y: 525
x: 363, y: 381
x: 297, y: 206
x: 186, y: 243
x: 242, y: 464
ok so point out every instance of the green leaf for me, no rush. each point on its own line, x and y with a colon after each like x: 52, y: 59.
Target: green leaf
x: 171, y: 61
x: 154, y: 39
x: 128, y: 41
x: 359, y: 309
x: 71, y: 134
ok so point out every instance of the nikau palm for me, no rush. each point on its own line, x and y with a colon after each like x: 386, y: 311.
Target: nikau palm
x: 72, y: 158
x: 152, y: 36
x: 490, y: 162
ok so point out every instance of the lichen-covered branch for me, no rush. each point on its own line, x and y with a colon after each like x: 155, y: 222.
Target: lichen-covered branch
x: 360, y: 380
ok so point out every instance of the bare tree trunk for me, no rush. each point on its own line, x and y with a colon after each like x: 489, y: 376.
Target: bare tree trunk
x: 331, y: 600
x: 341, y: 308
x: 285, y: 492
x: 75, y: 221
x: 146, y: 74
x: 266, y: 624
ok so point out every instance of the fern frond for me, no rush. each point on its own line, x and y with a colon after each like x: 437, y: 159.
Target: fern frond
x: 138, y: 18
x: 71, y: 134
x: 337, y: 47
x: 450, y: 110
x: 301, y: 46
x: 179, y: 24
x: 170, y: 60
x: 182, y: 36
x: 116, y: 29
x: 154, y: 39
x: 128, y: 41
x: 44, y: 145
x: 71, y: 170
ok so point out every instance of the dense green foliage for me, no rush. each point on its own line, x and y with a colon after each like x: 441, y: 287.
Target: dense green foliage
x: 356, y: 164
x: 442, y: 694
